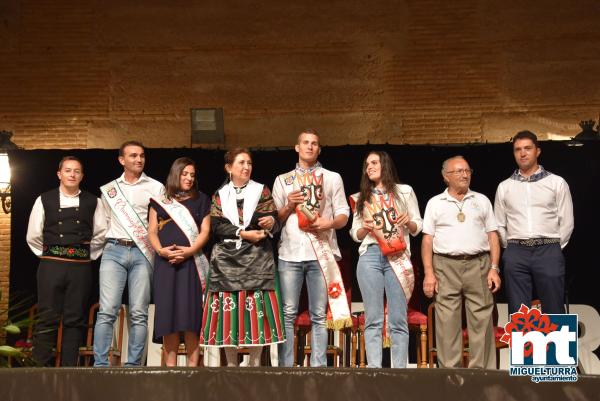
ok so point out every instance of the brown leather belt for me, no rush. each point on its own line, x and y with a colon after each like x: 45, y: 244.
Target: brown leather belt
x: 123, y: 242
x: 462, y: 257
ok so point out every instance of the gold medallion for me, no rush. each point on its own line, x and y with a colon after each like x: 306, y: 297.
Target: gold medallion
x: 460, y: 217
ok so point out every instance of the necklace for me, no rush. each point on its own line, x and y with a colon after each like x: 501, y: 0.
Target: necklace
x: 460, y: 216
x: 182, y: 194
x: 238, y: 190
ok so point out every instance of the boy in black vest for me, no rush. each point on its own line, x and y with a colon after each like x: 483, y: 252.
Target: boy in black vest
x: 66, y: 231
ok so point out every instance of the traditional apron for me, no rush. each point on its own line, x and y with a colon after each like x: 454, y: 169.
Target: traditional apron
x: 186, y: 223
x: 311, y: 186
x: 390, y: 238
x: 131, y: 222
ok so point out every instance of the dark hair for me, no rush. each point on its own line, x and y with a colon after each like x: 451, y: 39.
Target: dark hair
x: 129, y: 143
x: 67, y: 158
x: 526, y: 135
x: 173, y: 179
x: 231, y: 154
x: 389, y: 179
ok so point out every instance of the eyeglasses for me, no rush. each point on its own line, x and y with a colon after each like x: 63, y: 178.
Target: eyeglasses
x: 461, y: 171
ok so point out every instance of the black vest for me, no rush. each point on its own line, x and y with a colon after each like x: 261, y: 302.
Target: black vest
x: 68, y: 226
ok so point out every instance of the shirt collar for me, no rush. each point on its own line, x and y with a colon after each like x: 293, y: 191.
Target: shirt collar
x: 69, y: 196
x: 309, y: 170
x: 446, y: 195
x: 142, y: 178
x: 540, y: 173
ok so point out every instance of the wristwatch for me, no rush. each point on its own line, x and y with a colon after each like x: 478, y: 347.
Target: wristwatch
x: 495, y: 267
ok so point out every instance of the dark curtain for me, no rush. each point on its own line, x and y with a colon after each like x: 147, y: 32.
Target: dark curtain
x: 34, y: 171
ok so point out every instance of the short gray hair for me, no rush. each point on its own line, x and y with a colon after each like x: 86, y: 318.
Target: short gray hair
x: 445, y: 163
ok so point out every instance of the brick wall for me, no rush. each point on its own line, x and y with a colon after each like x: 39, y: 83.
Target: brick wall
x: 90, y: 74
x: 4, y: 265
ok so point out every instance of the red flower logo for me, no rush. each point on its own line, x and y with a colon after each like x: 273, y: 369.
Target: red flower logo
x: 524, y: 321
x: 334, y: 290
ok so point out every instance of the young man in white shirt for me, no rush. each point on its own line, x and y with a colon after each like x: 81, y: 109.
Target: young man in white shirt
x: 127, y: 255
x: 66, y: 231
x: 534, y: 211
x: 459, y: 242
x: 322, y: 192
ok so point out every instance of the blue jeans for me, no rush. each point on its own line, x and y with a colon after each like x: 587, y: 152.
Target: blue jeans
x: 291, y: 277
x: 375, y: 275
x: 121, y: 264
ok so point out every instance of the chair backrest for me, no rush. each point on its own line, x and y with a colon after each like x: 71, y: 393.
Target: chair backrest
x: 32, y: 318
x: 89, y: 338
x: 117, y: 331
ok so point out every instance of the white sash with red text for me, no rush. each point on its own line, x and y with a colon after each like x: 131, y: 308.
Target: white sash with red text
x: 186, y: 223
x: 131, y: 222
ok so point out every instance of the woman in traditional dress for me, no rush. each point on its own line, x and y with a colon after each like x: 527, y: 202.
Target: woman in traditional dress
x: 243, y: 305
x: 385, y: 212
x: 179, y: 226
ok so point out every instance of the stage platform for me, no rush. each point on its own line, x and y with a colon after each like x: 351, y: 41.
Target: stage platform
x: 274, y: 384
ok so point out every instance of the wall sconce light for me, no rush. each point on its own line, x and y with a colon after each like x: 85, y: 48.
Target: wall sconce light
x: 5, y: 190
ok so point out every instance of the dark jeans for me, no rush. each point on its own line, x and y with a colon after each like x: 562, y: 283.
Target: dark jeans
x: 63, y: 290
x: 538, y: 267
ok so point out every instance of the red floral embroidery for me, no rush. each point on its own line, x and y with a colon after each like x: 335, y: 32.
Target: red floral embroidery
x: 334, y: 290
x: 71, y: 251
x: 524, y: 321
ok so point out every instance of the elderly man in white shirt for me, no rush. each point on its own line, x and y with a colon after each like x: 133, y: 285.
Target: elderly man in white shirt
x: 321, y: 191
x: 127, y: 255
x: 459, y: 240
x: 66, y: 231
x: 534, y: 211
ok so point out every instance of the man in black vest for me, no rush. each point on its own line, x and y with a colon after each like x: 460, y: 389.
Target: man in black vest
x: 66, y: 230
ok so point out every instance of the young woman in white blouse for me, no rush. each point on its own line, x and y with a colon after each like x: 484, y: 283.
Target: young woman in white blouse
x: 385, y: 212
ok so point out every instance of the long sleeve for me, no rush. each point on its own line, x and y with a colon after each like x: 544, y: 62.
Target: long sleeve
x: 35, y: 228
x: 414, y: 213
x: 266, y: 207
x: 279, y: 196
x: 566, y: 220
x: 100, y: 229
x: 220, y: 225
x: 357, y: 222
x: 107, y: 211
x: 500, y: 213
x: 339, y: 202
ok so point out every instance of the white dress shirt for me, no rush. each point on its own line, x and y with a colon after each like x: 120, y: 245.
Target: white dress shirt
x: 138, y: 195
x: 295, y: 246
x: 452, y: 237
x: 540, y: 208
x: 410, y: 200
x: 35, y: 229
